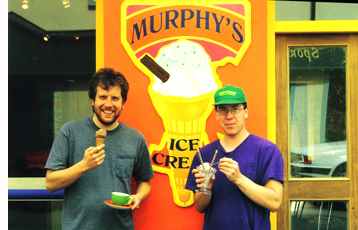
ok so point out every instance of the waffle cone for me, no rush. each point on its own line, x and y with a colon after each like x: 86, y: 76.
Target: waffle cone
x: 99, y: 141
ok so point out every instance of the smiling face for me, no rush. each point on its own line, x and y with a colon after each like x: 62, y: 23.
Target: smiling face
x: 107, y: 107
x: 232, y: 124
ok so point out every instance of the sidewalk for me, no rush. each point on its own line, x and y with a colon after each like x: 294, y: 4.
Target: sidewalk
x: 308, y: 219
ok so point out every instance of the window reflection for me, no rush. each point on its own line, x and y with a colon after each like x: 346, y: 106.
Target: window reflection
x: 34, y: 215
x: 48, y: 84
x: 318, y: 215
x: 39, y: 106
x: 318, y: 139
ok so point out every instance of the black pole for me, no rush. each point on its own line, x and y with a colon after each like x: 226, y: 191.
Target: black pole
x: 313, y: 11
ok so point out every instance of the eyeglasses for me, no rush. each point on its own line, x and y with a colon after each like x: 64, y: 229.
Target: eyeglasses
x: 233, y: 111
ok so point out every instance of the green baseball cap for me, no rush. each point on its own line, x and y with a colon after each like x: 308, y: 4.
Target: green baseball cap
x: 229, y: 95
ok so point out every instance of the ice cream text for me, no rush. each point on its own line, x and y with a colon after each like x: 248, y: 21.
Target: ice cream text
x: 177, y: 161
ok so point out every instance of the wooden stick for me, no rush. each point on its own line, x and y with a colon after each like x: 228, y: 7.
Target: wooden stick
x: 156, y: 69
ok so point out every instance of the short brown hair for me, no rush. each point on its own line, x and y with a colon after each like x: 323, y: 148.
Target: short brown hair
x: 108, y: 77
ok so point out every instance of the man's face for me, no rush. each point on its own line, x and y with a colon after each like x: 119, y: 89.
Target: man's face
x: 108, y: 104
x: 231, y: 123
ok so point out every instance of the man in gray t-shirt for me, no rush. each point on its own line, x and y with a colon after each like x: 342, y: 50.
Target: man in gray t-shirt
x: 88, y: 175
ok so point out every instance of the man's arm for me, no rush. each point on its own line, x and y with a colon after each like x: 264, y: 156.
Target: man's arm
x: 144, y: 187
x: 60, y: 179
x: 268, y: 196
x: 202, y: 200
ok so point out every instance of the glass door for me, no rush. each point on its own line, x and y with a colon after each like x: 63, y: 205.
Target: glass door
x: 317, y: 109
x: 51, y: 58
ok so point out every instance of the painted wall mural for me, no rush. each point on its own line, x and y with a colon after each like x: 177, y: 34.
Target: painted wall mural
x: 179, y: 47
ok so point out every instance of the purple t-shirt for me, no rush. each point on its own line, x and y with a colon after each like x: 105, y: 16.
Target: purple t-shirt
x: 229, y: 208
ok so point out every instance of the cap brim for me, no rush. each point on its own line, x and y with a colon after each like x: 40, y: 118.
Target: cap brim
x: 229, y: 102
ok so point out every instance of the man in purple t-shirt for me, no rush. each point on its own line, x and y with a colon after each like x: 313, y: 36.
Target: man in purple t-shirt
x: 248, y: 183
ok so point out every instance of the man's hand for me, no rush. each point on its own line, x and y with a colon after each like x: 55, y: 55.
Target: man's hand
x: 202, y: 200
x: 144, y: 187
x: 136, y: 202
x: 230, y: 168
x: 60, y: 179
x: 200, y: 178
x: 93, y: 157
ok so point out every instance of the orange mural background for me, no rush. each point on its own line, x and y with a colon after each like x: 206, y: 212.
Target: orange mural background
x: 159, y: 210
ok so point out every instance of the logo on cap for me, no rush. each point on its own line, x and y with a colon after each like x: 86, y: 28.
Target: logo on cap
x: 227, y: 92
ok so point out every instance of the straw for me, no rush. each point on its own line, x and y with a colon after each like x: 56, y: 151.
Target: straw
x: 201, y: 159
x: 211, y: 165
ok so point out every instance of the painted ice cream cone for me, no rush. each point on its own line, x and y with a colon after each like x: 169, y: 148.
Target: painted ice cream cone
x: 184, y: 119
x: 100, y: 136
x: 184, y: 103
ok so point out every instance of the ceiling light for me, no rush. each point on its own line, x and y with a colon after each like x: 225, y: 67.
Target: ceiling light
x: 25, y: 5
x: 66, y: 3
x: 47, y: 37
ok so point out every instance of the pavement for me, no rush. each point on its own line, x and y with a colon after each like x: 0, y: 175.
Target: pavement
x: 312, y: 217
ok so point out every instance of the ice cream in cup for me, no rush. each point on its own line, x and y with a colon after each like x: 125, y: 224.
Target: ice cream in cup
x: 208, y: 171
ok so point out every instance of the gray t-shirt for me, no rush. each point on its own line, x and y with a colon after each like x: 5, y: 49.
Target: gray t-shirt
x: 127, y: 156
